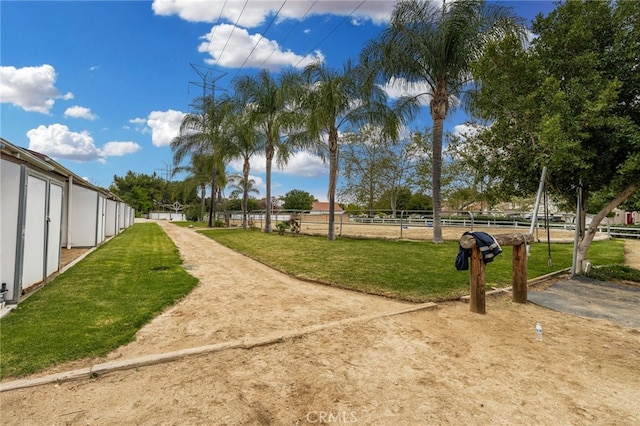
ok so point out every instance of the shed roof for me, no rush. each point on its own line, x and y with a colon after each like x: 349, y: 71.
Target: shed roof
x: 45, y: 163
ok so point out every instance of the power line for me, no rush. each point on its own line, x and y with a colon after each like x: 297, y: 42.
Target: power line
x: 232, y: 30
x: 330, y: 32
x: 216, y: 27
x: 290, y: 31
x: 262, y: 36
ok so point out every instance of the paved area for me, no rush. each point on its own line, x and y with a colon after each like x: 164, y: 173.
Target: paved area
x: 589, y: 298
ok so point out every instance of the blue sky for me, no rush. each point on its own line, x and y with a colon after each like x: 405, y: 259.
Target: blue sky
x: 101, y: 86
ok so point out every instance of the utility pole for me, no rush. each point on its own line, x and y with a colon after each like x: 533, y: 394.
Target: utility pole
x: 206, y: 106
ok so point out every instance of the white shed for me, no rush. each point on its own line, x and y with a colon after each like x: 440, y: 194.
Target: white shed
x: 44, y: 207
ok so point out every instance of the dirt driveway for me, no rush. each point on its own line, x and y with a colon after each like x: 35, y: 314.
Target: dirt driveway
x: 433, y: 366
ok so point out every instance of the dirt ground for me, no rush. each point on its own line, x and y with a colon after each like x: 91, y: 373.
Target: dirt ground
x: 444, y: 365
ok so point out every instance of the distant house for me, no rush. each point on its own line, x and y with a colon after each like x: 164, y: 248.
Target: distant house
x: 321, y: 207
x: 622, y: 217
x: 320, y: 212
x: 45, y: 207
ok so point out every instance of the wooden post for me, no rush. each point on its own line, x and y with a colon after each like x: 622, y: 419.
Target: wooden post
x: 478, y: 281
x: 477, y: 268
x: 519, y: 280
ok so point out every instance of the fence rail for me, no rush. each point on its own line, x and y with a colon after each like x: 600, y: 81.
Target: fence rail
x: 403, y: 220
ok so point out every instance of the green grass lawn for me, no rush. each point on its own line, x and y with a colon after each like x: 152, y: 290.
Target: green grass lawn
x: 97, y: 305
x: 408, y: 270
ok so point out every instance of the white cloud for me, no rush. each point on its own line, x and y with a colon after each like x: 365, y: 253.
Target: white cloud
x: 468, y: 130
x: 250, y: 14
x: 163, y: 125
x: 80, y: 112
x: 301, y: 164
x: 305, y: 164
x: 229, y: 45
x: 120, y: 148
x: 138, y: 121
x: 30, y: 88
x: 397, y: 87
x: 58, y: 142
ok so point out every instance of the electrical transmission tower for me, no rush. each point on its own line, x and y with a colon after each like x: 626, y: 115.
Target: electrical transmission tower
x: 208, y: 100
x: 207, y: 83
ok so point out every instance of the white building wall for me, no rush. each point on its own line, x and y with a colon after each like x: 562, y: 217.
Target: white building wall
x: 111, y: 218
x: 10, y: 180
x: 84, y: 226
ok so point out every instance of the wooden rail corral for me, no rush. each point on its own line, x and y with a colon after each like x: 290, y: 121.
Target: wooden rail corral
x: 477, y: 268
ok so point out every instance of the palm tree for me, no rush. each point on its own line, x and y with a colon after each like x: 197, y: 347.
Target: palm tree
x: 270, y: 105
x: 433, y: 44
x: 340, y: 98
x: 199, y: 176
x: 245, y: 142
x: 203, y: 134
x: 239, y: 186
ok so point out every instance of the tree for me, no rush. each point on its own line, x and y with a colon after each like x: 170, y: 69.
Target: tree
x: 198, y: 177
x: 271, y: 104
x: 340, y: 98
x: 434, y: 46
x: 141, y: 191
x: 245, y: 142
x: 568, y: 103
x: 203, y: 134
x: 364, y: 158
x: 396, y: 198
x: 235, y: 204
x: 471, y: 180
x: 240, y: 187
x: 297, y: 199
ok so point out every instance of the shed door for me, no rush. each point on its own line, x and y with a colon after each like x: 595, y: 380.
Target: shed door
x: 54, y: 224
x: 34, y: 232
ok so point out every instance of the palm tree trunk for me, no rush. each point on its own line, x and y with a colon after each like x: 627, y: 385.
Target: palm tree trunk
x: 245, y: 195
x: 203, y: 195
x: 267, y: 218
x: 213, y: 197
x: 333, y: 171
x: 439, y: 105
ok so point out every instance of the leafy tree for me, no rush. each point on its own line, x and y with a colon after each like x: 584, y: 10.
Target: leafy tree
x: 394, y: 199
x: 141, y: 191
x: 235, y: 204
x: 570, y: 103
x: 433, y: 44
x: 340, y: 98
x: 365, y: 156
x: 469, y: 176
x: 420, y: 202
x: 297, y: 199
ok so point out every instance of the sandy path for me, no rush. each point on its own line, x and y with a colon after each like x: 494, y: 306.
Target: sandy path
x: 444, y: 366
x: 238, y: 297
